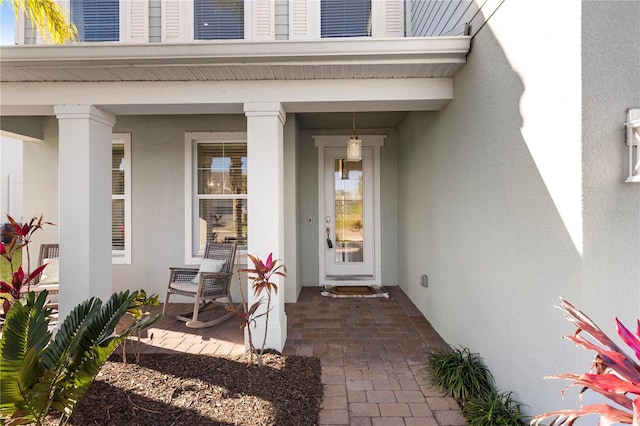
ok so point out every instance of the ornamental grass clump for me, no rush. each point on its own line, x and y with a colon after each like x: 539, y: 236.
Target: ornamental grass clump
x: 461, y: 373
x: 496, y: 408
x: 464, y: 376
x: 613, y: 374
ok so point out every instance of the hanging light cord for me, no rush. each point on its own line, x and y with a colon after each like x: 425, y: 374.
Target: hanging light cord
x: 355, y: 135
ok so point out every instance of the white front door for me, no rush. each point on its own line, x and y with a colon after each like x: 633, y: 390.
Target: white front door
x: 349, y: 216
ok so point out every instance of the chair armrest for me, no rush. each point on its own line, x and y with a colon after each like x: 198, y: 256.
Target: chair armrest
x: 179, y: 274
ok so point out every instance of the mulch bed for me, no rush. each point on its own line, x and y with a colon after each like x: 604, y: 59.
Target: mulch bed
x: 185, y: 389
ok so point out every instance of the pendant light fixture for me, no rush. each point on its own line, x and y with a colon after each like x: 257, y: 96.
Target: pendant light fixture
x: 354, y: 145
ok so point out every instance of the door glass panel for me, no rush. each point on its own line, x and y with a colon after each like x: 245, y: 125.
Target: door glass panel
x: 348, y: 205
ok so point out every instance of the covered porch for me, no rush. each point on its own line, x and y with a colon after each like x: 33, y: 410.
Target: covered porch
x: 372, y: 350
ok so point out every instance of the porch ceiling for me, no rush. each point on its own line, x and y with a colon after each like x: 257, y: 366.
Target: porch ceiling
x: 401, y: 58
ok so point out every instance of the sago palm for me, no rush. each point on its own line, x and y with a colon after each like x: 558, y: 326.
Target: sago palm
x: 40, y: 373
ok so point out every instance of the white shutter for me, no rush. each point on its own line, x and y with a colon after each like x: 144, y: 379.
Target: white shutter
x: 263, y: 22
x: 304, y: 19
x: 136, y: 21
x: 388, y: 18
x: 174, y: 22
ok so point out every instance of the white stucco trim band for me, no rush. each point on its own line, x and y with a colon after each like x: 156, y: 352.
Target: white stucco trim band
x: 230, y: 97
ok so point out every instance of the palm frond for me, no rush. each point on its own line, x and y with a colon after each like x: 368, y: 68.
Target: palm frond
x: 68, y: 337
x: 50, y: 19
x: 20, y: 364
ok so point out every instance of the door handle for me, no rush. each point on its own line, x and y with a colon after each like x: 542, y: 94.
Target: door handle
x: 329, y: 242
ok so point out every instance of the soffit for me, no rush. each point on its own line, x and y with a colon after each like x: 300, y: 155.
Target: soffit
x: 425, y: 57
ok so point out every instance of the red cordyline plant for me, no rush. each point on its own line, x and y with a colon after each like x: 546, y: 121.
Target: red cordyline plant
x: 613, y: 374
x: 261, y: 275
x: 21, y: 236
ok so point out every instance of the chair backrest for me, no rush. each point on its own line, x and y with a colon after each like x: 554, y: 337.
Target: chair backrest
x: 47, y: 251
x: 222, y: 251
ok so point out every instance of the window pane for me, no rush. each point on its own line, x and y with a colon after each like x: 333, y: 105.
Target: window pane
x: 117, y: 169
x: 117, y: 224
x: 345, y: 18
x: 219, y: 19
x: 223, y: 221
x: 97, y: 20
x: 222, y: 168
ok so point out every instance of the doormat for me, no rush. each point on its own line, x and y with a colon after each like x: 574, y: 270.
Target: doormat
x: 354, y: 291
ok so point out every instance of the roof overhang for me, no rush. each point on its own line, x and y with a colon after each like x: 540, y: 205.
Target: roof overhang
x: 401, y: 74
x: 236, y: 60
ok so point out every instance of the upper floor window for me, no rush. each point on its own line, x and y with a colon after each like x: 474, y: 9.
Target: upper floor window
x: 218, y: 19
x: 345, y: 18
x: 96, y: 20
x: 311, y: 20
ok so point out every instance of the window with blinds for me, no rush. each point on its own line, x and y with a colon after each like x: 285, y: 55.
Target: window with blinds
x: 120, y: 198
x: 345, y: 18
x: 218, y: 19
x: 96, y: 20
x: 221, y: 192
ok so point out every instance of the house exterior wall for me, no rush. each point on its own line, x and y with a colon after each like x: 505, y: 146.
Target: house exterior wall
x: 610, y: 85
x: 40, y: 178
x: 308, y: 174
x: 10, y: 179
x: 514, y: 194
x: 158, y: 221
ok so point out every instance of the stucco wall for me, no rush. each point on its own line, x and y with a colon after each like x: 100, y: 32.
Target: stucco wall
x: 157, y: 157
x: 157, y: 206
x: 308, y: 174
x: 611, y: 85
x: 508, y: 194
x: 40, y: 182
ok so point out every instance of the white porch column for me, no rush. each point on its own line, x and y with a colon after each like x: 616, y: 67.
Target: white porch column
x: 265, y: 189
x: 85, y: 204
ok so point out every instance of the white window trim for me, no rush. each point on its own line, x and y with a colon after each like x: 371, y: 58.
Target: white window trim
x: 191, y: 140
x: 304, y: 19
x: 123, y: 257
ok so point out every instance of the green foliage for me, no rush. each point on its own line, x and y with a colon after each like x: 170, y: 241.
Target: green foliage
x: 496, y: 408
x: 136, y: 312
x: 461, y: 373
x: 464, y: 376
x: 39, y: 373
x: 7, y: 267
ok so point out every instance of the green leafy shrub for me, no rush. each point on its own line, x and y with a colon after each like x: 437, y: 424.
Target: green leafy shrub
x: 39, y: 372
x: 461, y: 373
x: 496, y: 408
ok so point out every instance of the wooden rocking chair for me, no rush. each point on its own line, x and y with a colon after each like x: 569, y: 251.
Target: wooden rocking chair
x: 210, y: 282
x: 47, y: 279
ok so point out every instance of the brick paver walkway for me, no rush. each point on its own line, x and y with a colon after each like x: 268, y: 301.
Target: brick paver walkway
x: 373, y: 353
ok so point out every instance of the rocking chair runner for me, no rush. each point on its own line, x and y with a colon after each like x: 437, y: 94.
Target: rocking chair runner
x: 205, y: 286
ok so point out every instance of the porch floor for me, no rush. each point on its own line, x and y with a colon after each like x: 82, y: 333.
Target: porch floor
x: 373, y: 353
